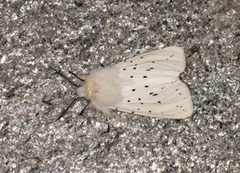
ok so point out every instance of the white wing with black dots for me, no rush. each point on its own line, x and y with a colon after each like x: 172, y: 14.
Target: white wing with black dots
x: 151, y: 86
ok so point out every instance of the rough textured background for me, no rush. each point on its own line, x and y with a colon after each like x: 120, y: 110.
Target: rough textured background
x: 82, y: 35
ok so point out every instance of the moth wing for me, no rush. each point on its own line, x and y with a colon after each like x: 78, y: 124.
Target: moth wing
x: 169, y: 100
x: 164, y: 60
x: 151, y: 87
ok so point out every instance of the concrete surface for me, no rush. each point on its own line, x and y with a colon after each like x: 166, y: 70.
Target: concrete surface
x: 82, y: 35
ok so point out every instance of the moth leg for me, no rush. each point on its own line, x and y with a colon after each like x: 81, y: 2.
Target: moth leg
x: 85, y: 107
x: 108, y: 122
x: 46, y: 101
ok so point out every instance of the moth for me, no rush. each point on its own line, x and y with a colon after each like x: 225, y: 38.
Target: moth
x: 146, y: 84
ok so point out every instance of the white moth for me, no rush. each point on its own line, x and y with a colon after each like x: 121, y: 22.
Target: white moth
x: 146, y: 85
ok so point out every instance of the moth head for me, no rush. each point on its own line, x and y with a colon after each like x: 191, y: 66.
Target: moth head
x: 82, y: 91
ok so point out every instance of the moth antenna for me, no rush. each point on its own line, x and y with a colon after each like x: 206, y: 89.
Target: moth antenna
x: 71, y: 105
x: 76, y: 76
x: 65, y: 77
x: 85, y: 107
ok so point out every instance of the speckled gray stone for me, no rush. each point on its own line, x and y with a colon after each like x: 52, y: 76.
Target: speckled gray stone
x: 83, y: 35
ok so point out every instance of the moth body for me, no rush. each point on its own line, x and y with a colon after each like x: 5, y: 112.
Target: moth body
x: 103, y: 88
x: 147, y: 85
